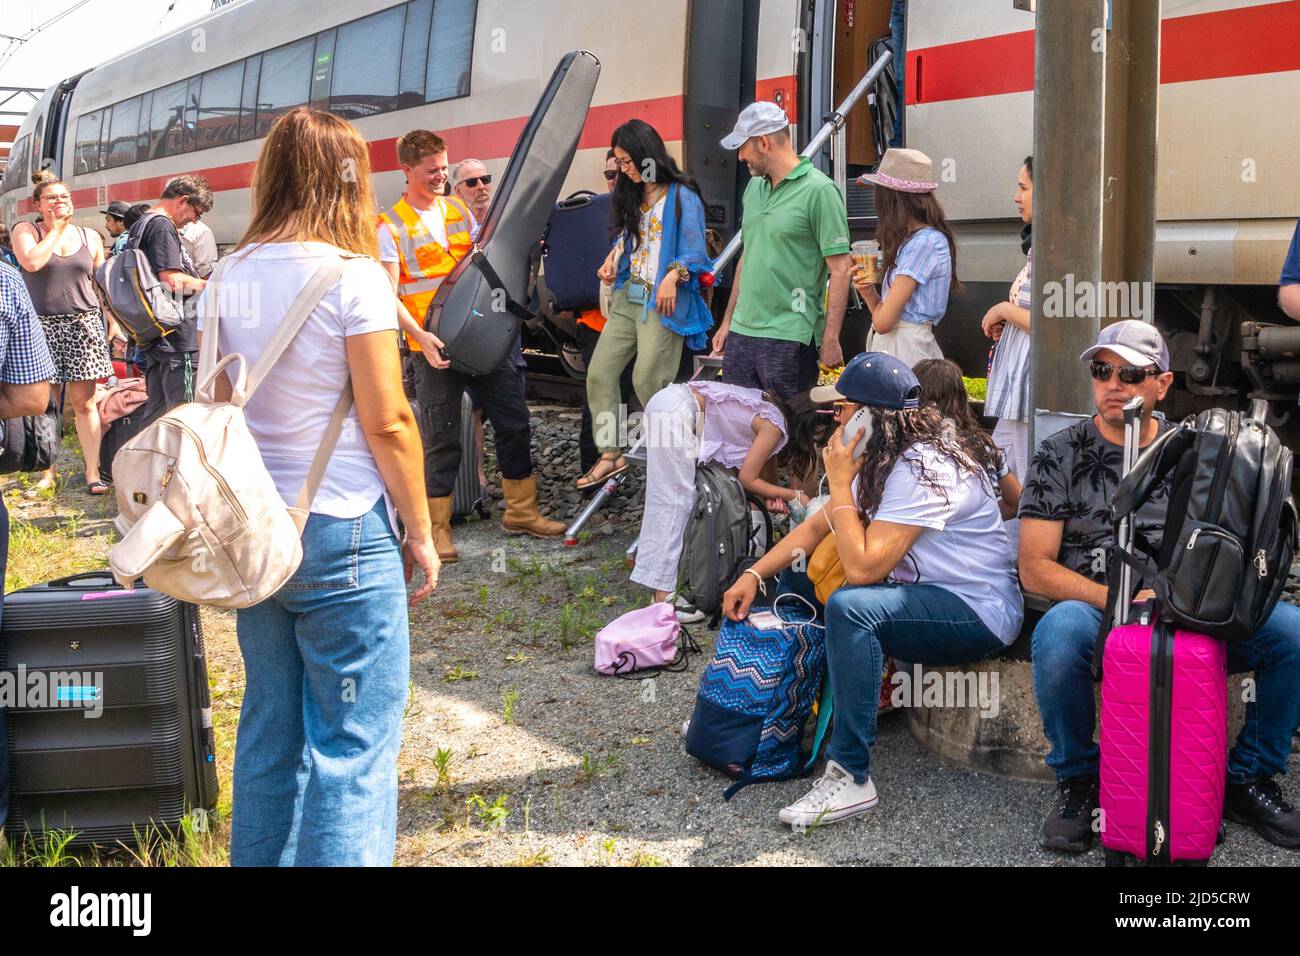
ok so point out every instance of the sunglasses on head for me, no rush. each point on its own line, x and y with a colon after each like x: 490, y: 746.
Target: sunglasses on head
x: 473, y: 181
x: 1128, y: 374
x: 610, y: 174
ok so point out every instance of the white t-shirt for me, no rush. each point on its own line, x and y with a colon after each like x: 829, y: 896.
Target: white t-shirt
x: 289, y: 411
x: 433, y: 220
x: 964, y: 547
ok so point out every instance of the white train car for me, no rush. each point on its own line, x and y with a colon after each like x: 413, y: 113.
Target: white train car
x: 200, y: 99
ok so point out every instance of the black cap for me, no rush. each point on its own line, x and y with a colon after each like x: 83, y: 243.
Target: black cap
x: 117, y: 209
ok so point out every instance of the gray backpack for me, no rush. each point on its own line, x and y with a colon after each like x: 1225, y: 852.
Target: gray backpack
x: 131, y: 293
x: 718, y: 537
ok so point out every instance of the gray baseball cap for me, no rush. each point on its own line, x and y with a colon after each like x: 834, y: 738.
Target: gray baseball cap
x: 756, y: 119
x: 1134, y: 341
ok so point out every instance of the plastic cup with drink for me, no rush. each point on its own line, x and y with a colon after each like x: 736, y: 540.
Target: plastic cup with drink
x: 864, y: 253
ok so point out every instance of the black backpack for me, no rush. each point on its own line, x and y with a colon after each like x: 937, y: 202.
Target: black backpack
x: 718, y: 537
x: 1230, y: 530
x: 31, y: 443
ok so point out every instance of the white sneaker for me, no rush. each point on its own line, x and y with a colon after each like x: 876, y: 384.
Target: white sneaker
x: 834, y: 797
x: 686, y: 726
x: 687, y: 613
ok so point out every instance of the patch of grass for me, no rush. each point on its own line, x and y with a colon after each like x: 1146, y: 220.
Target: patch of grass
x: 647, y: 859
x: 508, y: 700
x: 458, y: 673
x: 568, y: 631
x: 517, y: 658
x: 483, y: 594
x: 413, y: 707
x: 584, y: 536
x: 976, y: 388
x: 37, y: 555
x: 605, y: 852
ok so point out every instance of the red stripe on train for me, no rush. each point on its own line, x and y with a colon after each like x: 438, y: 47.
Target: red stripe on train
x: 493, y: 140
x: 1205, y: 46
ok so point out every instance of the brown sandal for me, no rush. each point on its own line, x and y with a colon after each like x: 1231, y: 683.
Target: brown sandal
x: 589, y: 480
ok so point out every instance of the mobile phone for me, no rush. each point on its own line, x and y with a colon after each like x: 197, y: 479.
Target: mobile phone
x: 858, y: 428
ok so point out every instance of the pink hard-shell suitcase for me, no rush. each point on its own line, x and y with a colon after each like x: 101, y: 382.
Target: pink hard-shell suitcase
x: 1164, y: 727
x: 1164, y: 730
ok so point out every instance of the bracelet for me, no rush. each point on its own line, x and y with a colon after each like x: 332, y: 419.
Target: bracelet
x: 841, y: 508
x: 762, y: 588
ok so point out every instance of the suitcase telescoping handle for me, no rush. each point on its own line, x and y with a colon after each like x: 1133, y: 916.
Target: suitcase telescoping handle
x: 83, y: 580
x: 1124, y: 536
x: 1119, y: 575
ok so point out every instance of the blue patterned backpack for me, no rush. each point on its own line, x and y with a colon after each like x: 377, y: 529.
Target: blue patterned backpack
x: 756, y: 693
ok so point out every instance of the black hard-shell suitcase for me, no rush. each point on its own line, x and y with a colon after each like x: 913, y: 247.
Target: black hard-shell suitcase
x: 466, y: 493
x: 135, y: 656
x: 477, y: 311
x: 118, y: 433
x: 578, y: 238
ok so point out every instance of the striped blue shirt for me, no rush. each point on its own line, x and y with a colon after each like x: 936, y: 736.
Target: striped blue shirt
x: 24, y: 354
x: 926, y: 258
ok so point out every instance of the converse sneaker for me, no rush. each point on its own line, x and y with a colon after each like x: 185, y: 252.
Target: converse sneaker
x: 834, y: 797
x: 687, y: 613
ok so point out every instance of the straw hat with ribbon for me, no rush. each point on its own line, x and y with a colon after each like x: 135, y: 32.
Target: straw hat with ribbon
x: 903, y: 170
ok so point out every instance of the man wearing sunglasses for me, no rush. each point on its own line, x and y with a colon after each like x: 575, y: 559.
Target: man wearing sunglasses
x: 1065, y: 541
x: 473, y: 184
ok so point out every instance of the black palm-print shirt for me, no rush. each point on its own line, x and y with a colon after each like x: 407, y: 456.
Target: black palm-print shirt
x: 1073, y: 478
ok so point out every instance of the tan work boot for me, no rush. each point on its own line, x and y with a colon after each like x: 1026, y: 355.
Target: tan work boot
x: 440, y: 516
x: 521, y: 510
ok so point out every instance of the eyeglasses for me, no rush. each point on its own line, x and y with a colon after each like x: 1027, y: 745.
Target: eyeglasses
x: 1128, y: 374
x: 199, y: 210
x: 610, y: 175
x: 473, y: 182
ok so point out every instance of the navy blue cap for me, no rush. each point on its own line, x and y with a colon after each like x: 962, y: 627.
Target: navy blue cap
x: 873, y: 378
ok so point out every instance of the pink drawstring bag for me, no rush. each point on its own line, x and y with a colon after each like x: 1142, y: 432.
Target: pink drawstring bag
x: 649, y: 638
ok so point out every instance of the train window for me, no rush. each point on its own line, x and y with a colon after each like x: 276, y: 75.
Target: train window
x: 166, y: 118
x: 415, y: 54
x: 15, y: 174
x: 322, y: 68
x: 248, y: 101
x: 451, y: 42
x: 124, y: 133
x: 86, y: 152
x: 192, y: 112
x: 142, y: 133
x: 367, y: 61
x: 35, y: 152
x: 284, y: 83
x: 219, y: 97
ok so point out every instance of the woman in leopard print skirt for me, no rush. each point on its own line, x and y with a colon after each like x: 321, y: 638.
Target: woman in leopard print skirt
x: 59, y: 261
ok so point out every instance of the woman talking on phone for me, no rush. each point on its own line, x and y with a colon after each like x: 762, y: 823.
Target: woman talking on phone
x: 927, y: 566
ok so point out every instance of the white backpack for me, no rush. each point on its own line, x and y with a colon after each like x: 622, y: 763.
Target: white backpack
x: 199, y: 513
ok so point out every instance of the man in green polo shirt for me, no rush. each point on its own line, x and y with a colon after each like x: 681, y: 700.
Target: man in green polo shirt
x: 781, y: 318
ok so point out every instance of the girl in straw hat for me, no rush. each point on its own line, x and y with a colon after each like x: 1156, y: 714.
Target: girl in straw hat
x: 920, y: 259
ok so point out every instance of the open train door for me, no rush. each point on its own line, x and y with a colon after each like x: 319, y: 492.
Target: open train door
x: 477, y: 310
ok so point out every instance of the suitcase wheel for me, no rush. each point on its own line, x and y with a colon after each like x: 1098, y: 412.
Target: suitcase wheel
x: 1116, y: 858
x: 482, y: 511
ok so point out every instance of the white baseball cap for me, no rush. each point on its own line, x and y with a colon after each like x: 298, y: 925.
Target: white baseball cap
x: 756, y: 119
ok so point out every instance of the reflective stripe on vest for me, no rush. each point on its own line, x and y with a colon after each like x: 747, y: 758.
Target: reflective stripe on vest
x: 423, y: 262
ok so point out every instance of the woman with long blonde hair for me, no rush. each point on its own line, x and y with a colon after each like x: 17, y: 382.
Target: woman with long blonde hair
x: 326, y: 658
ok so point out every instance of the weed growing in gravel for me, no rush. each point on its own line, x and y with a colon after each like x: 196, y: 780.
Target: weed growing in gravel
x: 508, y: 700
x: 491, y: 816
x: 413, y: 707
x: 442, y: 766
x: 48, y: 849
x: 584, y: 536
x: 568, y: 634
x: 592, y: 767
x: 605, y: 852
x: 457, y: 673
x: 647, y: 859
x: 482, y: 595
x: 539, y: 858
x: 520, y: 658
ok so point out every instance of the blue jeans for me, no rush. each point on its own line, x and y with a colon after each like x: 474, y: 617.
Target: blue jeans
x: 326, y: 663
x: 898, y: 44
x: 1063, y: 645
x: 920, y: 623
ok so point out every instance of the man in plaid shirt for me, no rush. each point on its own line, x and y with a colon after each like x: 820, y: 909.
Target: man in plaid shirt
x: 25, y: 372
